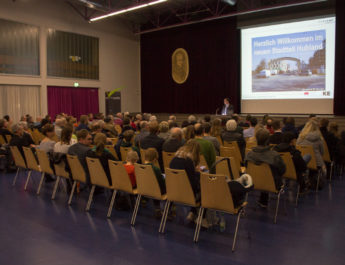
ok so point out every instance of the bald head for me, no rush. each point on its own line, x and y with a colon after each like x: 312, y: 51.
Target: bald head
x: 199, y: 129
x: 176, y: 133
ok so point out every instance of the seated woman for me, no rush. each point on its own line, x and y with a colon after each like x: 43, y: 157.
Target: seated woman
x: 232, y: 134
x: 132, y: 158
x: 47, y: 144
x: 103, y: 154
x: 65, y: 140
x: 151, y: 156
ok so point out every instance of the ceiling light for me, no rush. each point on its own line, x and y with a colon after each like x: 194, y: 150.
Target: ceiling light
x: 121, y: 11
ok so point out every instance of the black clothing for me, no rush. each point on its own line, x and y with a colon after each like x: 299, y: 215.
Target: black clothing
x: 238, y: 192
x: 230, y: 136
x: 153, y: 141
x: 331, y: 141
x: 20, y: 142
x: 80, y: 151
x: 276, y: 138
x: 5, y: 132
x: 172, y: 145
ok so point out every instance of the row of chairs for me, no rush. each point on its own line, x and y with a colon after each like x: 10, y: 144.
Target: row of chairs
x: 215, y: 193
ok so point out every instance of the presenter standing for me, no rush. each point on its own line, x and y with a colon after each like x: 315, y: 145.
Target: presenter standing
x: 227, y: 108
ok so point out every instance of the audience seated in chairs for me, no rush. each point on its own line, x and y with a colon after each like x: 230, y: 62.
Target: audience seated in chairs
x: 212, y: 139
x: 277, y: 136
x: 164, y: 130
x: 231, y: 135
x: 289, y: 126
x: 65, y: 141
x: 127, y: 142
x: 250, y: 131
x: 47, y: 144
x: 144, y: 131
x: 262, y: 153
x: 132, y: 158
x: 4, y: 130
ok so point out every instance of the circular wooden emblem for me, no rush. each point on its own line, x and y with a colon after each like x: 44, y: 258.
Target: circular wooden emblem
x: 180, y: 66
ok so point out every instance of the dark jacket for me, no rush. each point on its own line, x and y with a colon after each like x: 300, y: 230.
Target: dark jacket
x: 5, y: 132
x: 276, y: 138
x: 331, y: 141
x: 290, y: 128
x: 153, y: 141
x: 231, y: 136
x: 172, y: 145
x: 264, y: 154
x: 20, y: 142
x: 80, y: 151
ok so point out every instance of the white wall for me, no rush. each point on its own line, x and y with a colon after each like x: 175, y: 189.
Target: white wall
x: 119, y: 52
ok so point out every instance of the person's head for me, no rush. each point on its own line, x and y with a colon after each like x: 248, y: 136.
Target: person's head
x: 207, y: 118
x: 312, y: 116
x: 164, y: 127
x: 153, y: 118
x: 29, y: 119
x: 253, y: 121
x: 333, y: 128
x: 226, y: 101
x: 143, y: 125
x: 216, y: 127
x: 119, y: 115
x: 24, y: 124
x: 90, y: 116
x: 48, y: 130
x: 290, y: 121
x: 128, y: 135
x: 235, y: 117
x: 184, y: 124
x: 84, y: 119
x: 276, y: 125
x: 138, y: 117
x: 198, y: 129
x: 310, y: 127
x: 153, y: 127
x: 172, y: 124
x: 7, y: 118
x: 289, y: 138
x: 207, y: 127
x: 269, y: 122
x: 132, y: 157
x: 262, y: 136
x: 190, y: 150
x: 126, y: 122
x: 176, y: 133
x: 189, y: 132
x: 66, y: 134
x: 151, y: 155
x: 324, y: 123
x: 100, y: 141
x: 172, y: 117
x: 248, y: 117
x: 231, y: 125
x: 191, y: 119
x: 84, y: 137
x: 17, y: 129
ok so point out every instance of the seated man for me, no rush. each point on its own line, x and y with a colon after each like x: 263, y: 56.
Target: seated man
x: 127, y: 142
x: 262, y: 153
x: 153, y: 141
x: 212, y: 139
x: 276, y: 137
x: 81, y: 148
x: 18, y: 139
x: 142, y: 134
x: 3, y: 129
x: 174, y: 142
x: 288, y: 144
x: 247, y: 133
x: 206, y: 147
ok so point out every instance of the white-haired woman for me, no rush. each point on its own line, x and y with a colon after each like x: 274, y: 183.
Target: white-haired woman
x: 231, y: 135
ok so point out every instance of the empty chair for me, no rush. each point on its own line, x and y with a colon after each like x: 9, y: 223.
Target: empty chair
x: 120, y: 180
x: 2, y: 140
x: 78, y: 173
x: 179, y: 191
x: 234, y: 144
x: 45, y: 167
x: 230, y: 170
x: 97, y: 178
x: 60, y: 172
x: 263, y: 181
x: 18, y: 160
x: 167, y: 157
x: 231, y: 152
x: 147, y: 185
x: 216, y: 195
x: 31, y: 164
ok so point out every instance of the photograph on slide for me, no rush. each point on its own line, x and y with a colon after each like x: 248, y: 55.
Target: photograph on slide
x: 289, y: 62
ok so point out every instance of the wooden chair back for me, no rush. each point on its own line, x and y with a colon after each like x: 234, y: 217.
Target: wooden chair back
x: 167, y: 157
x: 8, y: 138
x: 222, y: 168
x: 178, y: 187
x: 262, y: 177
x: 112, y: 151
x: 147, y: 183
x: 142, y: 156
x: 230, y: 152
x: 220, y: 140
x: 237, y: 149
x: 2, y: 140
x: 113, y: 140
x: 97, y: 174
x: 290, y: 172
x: 37, y: 136
x: 250, y: 145
x: 203, y: 162
x: 326, y: 156
x: 44, y: 161
x: 308, y: 149
x: 17, y: 156
x: 124, y: 151
x: 215, y: 193
x: 119, y: 176
x: 118, y: 129
x: 60, y: 170
x: 30, y: 159
x: 77, y: 170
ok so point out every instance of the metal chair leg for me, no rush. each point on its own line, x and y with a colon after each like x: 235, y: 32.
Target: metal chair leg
x: 27, y: 180
x: 72, y: 192
x: 90, y: 198
x: 15, y: 177
x: 318, y: 180
x: 276, y: 213
x: 111, y: 203
x: 55, y: 187
x: 40, y: 185
x: 297, y: 196
x: 164, y: 217
x: 198, y: 225
x: 237, y: 223
x: 136, y: 208
x: 331, y: 171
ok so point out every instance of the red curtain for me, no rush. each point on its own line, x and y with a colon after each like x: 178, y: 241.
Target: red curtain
x: 74, y: 101
x: 213, y: 53
x: 339, y: 86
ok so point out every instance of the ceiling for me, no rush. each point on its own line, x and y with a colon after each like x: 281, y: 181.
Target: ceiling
x: 173, y: 13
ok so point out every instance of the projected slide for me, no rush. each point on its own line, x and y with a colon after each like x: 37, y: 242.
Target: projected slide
x: 289, y: 61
